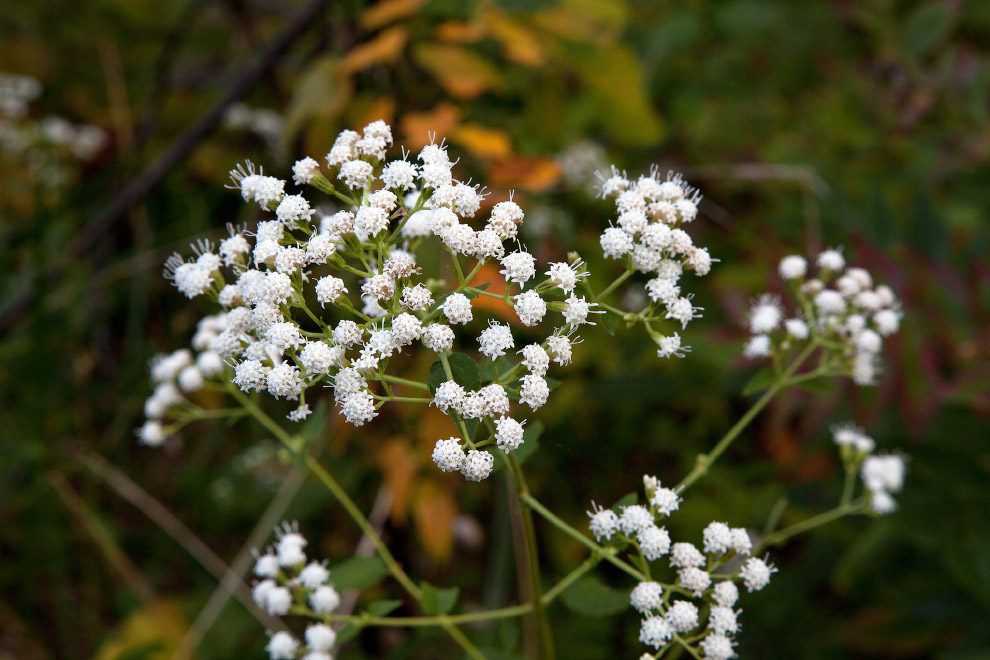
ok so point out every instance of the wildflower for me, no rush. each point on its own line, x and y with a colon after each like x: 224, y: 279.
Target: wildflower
x: 282, y: 646
x: 682, y: 616
x: 646, y: 596
x: 603, y: 522
x: 756, y: 574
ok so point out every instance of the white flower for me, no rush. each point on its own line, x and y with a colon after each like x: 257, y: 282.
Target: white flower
x: 559, y: 349
x: 665, y: 501
x: 282, y: 646
x: 603, y: 522
x: 284, y: 381
x: 448, y: 455
x: 358, y: 408
x: 740, y: 543
x: 563, y: 276
x: 355, y: 173
x: 294, y: 210
x: 417, y: 298
x: 534, y: 391
x: 536, y: 359
x: 151, y: 433
x: 314, y: 575
x: 495, y: 340
x: 655, y: 631
x: 324, y: 600
x: 717, y: 647
x: 320, y: 637
x: 671, y: 347
x: 305, y: 170
x: 717, y: 538
x: 457, y: 308
x: 347, y: 333
x: 616, y: 243
x: 756, y: 574
x: 249, y: 375
x: 757, y: 347
x: 340, y: 223
x: 370, y: 220
x: 868, y: 341
x: 508, y: 434
x: 832, y: 260
x: 477, y: 465
x: 400, y: 175
x: 725, y: 593
x: 765, y: 315
x: 654, y: 542
x: 683, y: 616
x: 793, y: 267
x: 317, y: 357
x: 260, y: 591
x: 694, y: 580
x: 882, y: 503
x: 635, y: 518
x: 530, y: 307
x: 278, y: 601
x: 577, y: 311
x: 284, y: 335
x: 646, y: 596
x: 518, y: 267
x: 685, y: 555
x: 883, y: 472
x: 796, y: 328
x: 662, y: 289
x: 505, y: 219
x: 682, y: 310
x: 438, y: 337
x: 448, y: 395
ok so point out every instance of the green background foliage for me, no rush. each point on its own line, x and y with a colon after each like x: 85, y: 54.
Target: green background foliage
x: 805, y: 124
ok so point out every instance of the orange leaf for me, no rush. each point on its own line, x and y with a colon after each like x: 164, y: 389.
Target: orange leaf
x: 482, y: 141
x: 417, y: 126
x: 460, y: 72
x: 399, y: 467
x: 386, y: 47
x: 525, y: 172
x: 460, y: 32
x: 387, y: 11
x: 434, y: 514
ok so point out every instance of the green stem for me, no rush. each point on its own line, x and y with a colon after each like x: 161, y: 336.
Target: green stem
x: 355, y: 513
x: 615, y: 283
x: 849, y: 486
x: 406, y: 399
x: 705, y: 461
x: 808, y: 524
x: 608, y: 554
x: 406, y: 381
x: 529, y: 529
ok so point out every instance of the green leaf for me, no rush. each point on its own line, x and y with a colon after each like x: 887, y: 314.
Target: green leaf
x: 347, y: 633
x: 760, y: 381
x: 486, y: 370
x: 926, y: 27
x: 626, y: 500
x: 610, y: 321
x: 439, y: 601
x: 462, y: 368
x: 383, y: 607
x: 590, y: 596
x: 358, y: 573
x: 471, y: 295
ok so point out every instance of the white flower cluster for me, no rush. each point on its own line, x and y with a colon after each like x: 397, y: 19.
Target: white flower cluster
x: 285, y: 580
x: 16, y: 92
x: 882, y: 474
x: 178, y: 374
x: 841, y: 308
x: 700, y: 585
x: 360, y: 265
x: 648, y: 237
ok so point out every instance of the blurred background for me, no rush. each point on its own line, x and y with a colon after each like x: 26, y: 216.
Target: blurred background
x: 864, y: 124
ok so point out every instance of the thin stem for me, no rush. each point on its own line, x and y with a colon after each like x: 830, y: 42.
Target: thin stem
x: 355, y: 513
x: 615, y: 283
x: 529, y: 529
x: 405, y: 399
x: 808, y: 524
x: 406, y: 381
x: 570, y: 579
x: 849, y: 486
x: 705, y: 461
x: 608, y: 554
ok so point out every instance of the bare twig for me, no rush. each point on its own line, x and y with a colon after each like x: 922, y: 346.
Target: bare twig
x: 174, y: 527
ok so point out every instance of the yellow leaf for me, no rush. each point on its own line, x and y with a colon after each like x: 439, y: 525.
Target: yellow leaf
x: 399, y: 467
x: 521, y: 44
x: 387, y: 11
x: 460, y: 72
x: 434, y: 517
x: 524, y: 172
x: 417, y: 126
x: 482, y: 141
x: 386, y: 47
